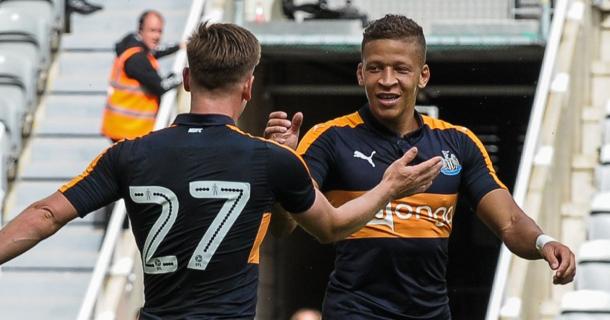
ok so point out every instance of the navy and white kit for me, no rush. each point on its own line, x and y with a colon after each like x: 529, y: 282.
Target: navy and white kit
x: 196, y: 194
x: 394, y: 267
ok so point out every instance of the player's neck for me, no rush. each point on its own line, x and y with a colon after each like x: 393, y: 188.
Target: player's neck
x: 403, y: 125
x: 229, y: 105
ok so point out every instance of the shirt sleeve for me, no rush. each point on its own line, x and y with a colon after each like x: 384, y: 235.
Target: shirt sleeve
x: 98, y: 185
x: 165, y: 50
x: 479, y: 174
x: 138, y: 67
x: 316, y: 148
x: 290, y: 180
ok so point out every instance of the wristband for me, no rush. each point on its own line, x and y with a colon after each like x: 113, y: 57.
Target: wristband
x: 542, y: 240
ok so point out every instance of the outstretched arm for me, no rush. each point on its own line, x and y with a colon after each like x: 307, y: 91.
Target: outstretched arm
x: 329, y: 224
x: 37, y: 222
x: 519, y: 232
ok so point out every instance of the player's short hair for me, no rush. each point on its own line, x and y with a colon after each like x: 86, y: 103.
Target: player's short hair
x: 395, y: 27
x: 221, y: 54
x: 144, y: 15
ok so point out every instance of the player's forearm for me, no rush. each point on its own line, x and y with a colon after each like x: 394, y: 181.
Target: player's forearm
x: 355, y: 214
x: 520, y: 237
x: 30, y: 227
x: 281, y: 224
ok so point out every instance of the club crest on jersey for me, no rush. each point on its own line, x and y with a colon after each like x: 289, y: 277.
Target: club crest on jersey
x: 451, y: 164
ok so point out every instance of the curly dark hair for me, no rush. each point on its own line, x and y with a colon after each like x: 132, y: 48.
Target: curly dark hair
x: 395, y: 27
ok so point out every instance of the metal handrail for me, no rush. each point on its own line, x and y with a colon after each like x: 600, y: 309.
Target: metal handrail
x: 113, y: 231
x: 530, y: 148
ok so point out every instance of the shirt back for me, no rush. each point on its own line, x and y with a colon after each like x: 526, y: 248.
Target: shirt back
x: 196, y: 195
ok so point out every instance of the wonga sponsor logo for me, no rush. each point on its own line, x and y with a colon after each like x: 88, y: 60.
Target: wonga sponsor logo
x: 440, y: 216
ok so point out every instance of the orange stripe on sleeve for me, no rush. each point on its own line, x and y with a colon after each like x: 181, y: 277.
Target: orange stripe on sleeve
x: 262, y: 231
x: 351, y: 120
x: 442, y: 125
x: 85, y: 173
x: 481, y: 147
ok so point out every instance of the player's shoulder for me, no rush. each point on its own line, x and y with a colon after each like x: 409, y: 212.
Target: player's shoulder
x: 438, y: 124
x: 269, y: 144
x: 351, y: 120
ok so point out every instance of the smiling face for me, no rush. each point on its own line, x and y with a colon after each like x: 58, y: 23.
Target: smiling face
x: 391, y: 72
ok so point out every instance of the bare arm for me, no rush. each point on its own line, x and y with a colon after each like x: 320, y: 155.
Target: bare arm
x: 329, y: 224
x: 37, y: 222
x: 281, y: 224
x: 519, y: 232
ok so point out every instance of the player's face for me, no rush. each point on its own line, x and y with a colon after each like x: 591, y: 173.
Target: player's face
x: 391, y: 72
x: 151, y: 31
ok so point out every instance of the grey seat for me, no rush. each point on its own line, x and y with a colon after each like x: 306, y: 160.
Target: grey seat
x: 603, y: 170
x: 4, y: 162
x: 11, y: 118
x: 59, y: 12
x: 598, y: 224
x: 593, y: 271
x: 13, y: 96
x: 44, y: 18
x: 585, y: 305
x: 19, y: 71
x: 18, y: 34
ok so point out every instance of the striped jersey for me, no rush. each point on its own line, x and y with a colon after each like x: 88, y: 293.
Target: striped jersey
x: 394, y: 267
x: 196, y: 194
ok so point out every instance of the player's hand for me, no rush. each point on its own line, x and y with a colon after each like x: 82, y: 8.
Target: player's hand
x: 408, y: 179
x: 561, y: 259
x: 282, y: 130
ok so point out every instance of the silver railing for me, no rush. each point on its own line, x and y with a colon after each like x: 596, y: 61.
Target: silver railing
x: 533, y: 152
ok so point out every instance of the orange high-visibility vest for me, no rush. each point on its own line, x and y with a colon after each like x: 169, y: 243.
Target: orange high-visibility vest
x: 130, y: 110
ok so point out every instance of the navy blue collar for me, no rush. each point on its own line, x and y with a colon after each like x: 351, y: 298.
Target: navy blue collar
x: 372, y: 122
x: 194, y: 119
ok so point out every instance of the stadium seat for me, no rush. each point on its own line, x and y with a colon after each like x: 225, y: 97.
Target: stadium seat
x: 4, y: 162
x: 44, y: 18
x: 603, y: 170
x: 585, y: 305
x: 593, y: 271
x: 14, y: 93
x: 18, y: 34
x: 11, y: 116
x: 599, y: 219
x: 60, y: 12
x: 17, y: 70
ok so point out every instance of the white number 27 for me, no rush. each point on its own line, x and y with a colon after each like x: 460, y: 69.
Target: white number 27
x: 236, y: 194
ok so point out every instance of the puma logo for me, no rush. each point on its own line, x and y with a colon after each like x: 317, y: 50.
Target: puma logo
x: 369, y: 159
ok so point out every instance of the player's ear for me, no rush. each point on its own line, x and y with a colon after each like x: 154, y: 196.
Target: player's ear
x: 247, y: 88
x: 424, y: 77
x: 186, y: 81
x: 359, y: 74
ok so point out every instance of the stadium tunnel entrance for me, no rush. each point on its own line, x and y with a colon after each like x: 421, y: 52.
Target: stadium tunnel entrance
x: 487, y: 89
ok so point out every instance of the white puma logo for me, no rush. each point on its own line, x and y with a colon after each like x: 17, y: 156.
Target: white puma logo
x: 358, y: 154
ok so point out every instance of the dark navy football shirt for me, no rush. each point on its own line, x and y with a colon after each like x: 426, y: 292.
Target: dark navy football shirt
x: 196, y: 194
x: 394, y: 267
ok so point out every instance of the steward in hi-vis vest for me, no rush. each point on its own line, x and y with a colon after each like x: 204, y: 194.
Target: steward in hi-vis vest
x: 135, y: 85
x: 131, y: 109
